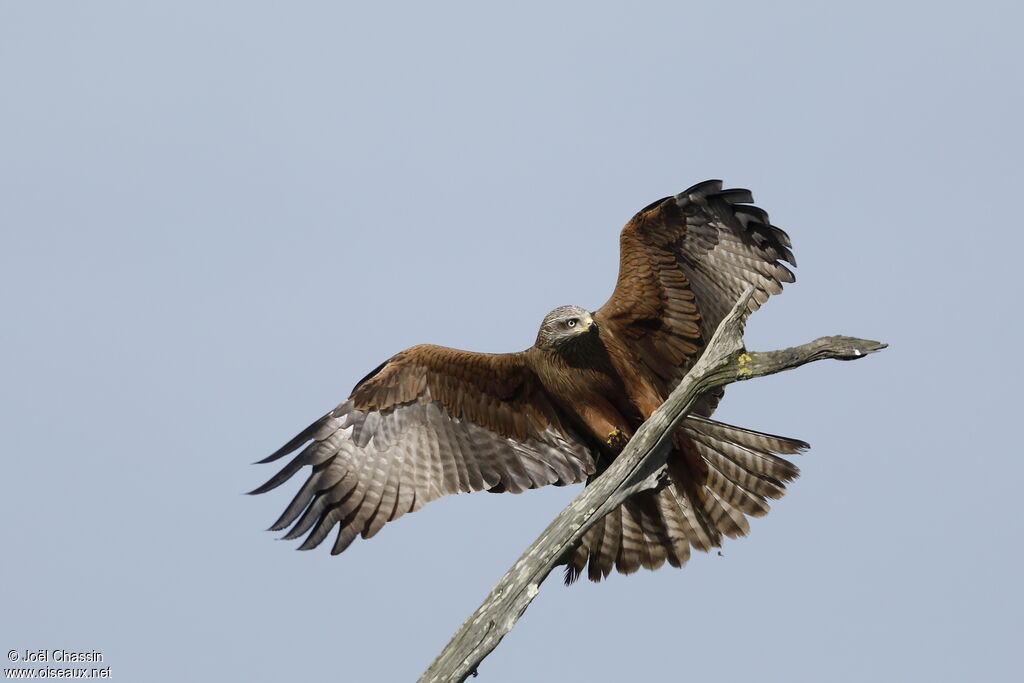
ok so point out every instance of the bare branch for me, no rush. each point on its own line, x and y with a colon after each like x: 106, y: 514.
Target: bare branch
x: 637, y: 468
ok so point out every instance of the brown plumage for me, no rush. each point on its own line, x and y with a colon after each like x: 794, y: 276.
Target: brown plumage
x: 433, y: 421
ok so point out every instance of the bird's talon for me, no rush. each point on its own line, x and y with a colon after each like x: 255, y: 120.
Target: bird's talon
x: 616, y: 438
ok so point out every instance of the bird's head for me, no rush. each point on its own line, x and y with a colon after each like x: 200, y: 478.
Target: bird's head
x: 566, y: 325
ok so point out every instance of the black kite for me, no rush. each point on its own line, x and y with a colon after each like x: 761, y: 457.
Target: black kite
x: 432, y: 420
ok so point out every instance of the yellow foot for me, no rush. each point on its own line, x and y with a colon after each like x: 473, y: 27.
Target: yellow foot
x: 617, y: 438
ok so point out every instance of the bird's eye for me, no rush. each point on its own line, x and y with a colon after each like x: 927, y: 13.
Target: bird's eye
x: 571, y: 323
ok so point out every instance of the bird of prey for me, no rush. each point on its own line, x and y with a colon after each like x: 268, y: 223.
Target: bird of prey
x: 432, y: 421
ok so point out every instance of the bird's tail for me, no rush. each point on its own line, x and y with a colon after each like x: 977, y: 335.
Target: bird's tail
x: 718, y: 475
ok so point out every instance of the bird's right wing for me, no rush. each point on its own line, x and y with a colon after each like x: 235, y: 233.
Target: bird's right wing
x: 430, y: 421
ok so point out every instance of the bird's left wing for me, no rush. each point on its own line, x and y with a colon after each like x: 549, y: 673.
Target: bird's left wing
x: 684, y: 261
x: 430, y: 421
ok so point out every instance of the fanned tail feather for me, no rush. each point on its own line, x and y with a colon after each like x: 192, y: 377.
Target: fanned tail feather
x: 718, y: 476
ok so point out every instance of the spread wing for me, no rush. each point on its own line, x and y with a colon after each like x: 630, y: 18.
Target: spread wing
x: 428, y: 422
x: 684, y: 261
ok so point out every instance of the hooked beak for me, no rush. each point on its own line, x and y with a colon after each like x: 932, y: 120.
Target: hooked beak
x: 589, y: 325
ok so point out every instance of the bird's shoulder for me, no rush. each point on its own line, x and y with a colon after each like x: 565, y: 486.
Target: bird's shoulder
x: 446, y: 374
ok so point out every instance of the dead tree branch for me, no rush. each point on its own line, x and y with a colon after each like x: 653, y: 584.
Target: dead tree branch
x: 637, y: 468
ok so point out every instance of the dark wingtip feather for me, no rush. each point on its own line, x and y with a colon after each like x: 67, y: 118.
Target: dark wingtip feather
x: 313, y: 540
x: 283, y: 475
x: 343, y: 541
x: 301, y: 438
x: 781, y: 236
x: 736, y: 196
x: 754, y: 219
x: 704, y: 188
x: 311, y: 515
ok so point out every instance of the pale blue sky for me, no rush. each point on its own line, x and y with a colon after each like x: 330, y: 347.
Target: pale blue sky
x: 216, y: 217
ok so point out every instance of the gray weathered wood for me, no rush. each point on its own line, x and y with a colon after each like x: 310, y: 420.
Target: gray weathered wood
x: 638, y: 467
